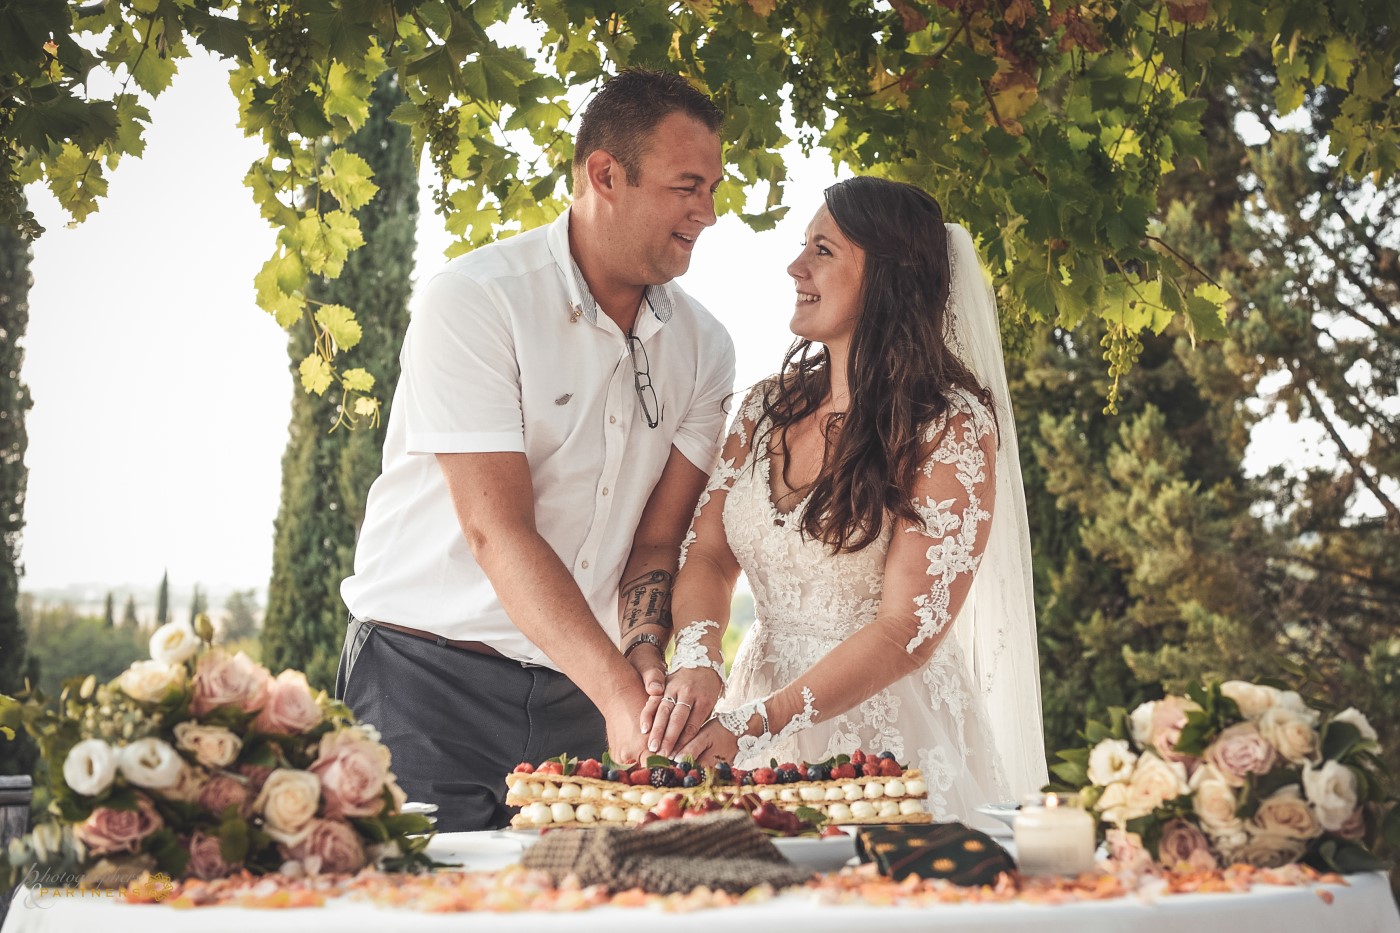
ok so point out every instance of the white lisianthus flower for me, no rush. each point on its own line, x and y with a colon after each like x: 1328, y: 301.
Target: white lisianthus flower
x: 174, y: 643
x: 1140, y: 723
x: 90, y: 767
x: 1254, y: 700
x: 1332, y: 791
x: 151, y: 763
x: 1111, y: 760
x: 1353, y: 716
x: 148, y: 681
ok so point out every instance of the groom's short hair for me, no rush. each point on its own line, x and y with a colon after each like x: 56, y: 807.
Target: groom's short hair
x: 622, y: 115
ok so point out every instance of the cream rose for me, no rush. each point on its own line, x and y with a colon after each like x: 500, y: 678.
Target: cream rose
x: 186, y: 788
x: 1238, y: 751
x: 150, y: 763
x: 220, y: 680
x: 1112, y: 803
x: 212, y: 746
x: 1332, y: 791
x: 174, y: 643
x: 107, y: 830
x: 149, y: 681
x: 1355, y: 717
x: 1215, y: 803
x: 1154, y: 782
x: 1291, y: 732
x: 290, y: 708
x: 288, y: 800
x: 1285, y: 813
x: 1184, y: 844
x: 90, y: 767
x: 1269, y: 851
x: 1111, y: 760
x: 330, y: 847
x: 353, y: 770
x: 1254, y: 700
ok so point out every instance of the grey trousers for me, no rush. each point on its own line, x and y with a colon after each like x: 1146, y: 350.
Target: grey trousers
x: 457, y: 722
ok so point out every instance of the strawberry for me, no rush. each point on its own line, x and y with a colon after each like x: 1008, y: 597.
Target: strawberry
x: 524, y: 768
x: 857, y: 757
x: 841, y: 772
x: 765, y: 776
x: 640, y: 777
x: 802, y: 771
x: 890, y: 768
x: 589, y: 769
x: 669, y: 808
x: 832, y: 830
x: 550, y: 767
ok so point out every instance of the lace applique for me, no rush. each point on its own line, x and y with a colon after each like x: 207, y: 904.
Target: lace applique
x: 726, y: 471
x: 690, y: 651
x: 955, y: 536
x: 762, y: 745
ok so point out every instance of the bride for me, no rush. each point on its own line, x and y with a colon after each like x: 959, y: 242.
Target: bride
x: 871, y: 491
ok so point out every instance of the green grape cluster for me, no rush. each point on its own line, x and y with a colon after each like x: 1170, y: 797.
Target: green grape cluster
x: 289, y: 50
x: 1121, y: 349
x: 1152, y: 130
x: 808, y: 102
x: 442, y: 123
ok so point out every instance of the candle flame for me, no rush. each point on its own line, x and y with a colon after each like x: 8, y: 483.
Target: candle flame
x: 1052, y: 801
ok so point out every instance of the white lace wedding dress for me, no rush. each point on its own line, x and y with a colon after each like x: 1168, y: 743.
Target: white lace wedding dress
x: 807, y: 600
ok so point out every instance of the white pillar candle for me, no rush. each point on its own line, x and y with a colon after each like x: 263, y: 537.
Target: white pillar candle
x: 1053, y: 837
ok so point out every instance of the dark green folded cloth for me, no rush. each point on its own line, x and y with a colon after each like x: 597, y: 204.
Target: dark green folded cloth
x: 934, y: 850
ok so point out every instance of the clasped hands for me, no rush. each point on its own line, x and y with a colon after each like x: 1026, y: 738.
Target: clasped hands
x: 675, y: 719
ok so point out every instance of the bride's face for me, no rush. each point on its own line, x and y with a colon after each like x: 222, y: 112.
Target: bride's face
x: 828, y: 274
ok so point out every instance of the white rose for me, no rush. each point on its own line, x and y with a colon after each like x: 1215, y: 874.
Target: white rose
x: 1289, y: 699
x: 288, y: 801
x: 90, y: 767
x: 1215, y: 803
x: 1140, y: 723
x: 1153, y: 783
x: 174, y: 643
x: 151, y: 763
x: 1112, y: 803
x: 1291, y: 732
x: 1111, y: 760
x: 1331, y: 789
x: 148, y: 681
x: 1358, y: 719
x: 212, y: 746
x: 1254, y: 700
x: 1286, y: 813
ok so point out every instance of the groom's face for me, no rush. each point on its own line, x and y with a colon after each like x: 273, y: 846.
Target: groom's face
x: 660, y: 218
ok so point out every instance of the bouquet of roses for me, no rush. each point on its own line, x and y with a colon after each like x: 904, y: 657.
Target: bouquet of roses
x: 1234, y: 772
x: 198, y: 764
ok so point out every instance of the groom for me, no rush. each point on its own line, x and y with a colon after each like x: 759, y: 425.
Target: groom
x: 560, y: 407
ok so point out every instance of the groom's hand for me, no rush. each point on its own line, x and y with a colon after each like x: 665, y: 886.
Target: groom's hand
x: 650, y: 665
x: 626, y: 743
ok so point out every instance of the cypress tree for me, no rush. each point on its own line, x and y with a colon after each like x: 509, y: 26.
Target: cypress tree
x: 109, y: 612
x: 198, y: 604
x: 129, y: 619
x: 15, y: 663
x: 326, y: 474
x: 163, y: 600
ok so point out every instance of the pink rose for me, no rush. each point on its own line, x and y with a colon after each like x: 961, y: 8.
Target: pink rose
x: 1168, y: 719
x: 290, y: 707
x: 1128, y: 853
x: 206, y: 860
x: 1241, y: 750
x: 256, y: 775
x: 1183, y: 844
x: 220, y: 680
x: 108, y: 831
x: 221, y: 792
x: 330, y: 847
x: 353, y: 769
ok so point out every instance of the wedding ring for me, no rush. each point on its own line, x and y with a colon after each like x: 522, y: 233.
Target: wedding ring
x: 686, y: 705
x: 664, y: 699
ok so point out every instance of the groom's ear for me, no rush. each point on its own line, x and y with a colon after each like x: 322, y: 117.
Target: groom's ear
x: 603, y: 173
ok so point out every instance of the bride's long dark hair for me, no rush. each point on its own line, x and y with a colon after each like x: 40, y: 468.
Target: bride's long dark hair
x: 899, y: 371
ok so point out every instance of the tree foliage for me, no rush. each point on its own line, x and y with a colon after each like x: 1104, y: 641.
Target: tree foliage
x: 326, y: 474
x: 1046, y: 126
x: 67, y: 644
x: 240, y: 616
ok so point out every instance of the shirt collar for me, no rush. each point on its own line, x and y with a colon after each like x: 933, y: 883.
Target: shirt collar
x: 581, y: 302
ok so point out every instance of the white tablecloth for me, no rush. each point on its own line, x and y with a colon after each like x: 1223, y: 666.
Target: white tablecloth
x: 1363, y: 906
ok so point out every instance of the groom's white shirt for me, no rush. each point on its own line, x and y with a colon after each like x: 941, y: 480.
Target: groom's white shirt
x: 507, y: 351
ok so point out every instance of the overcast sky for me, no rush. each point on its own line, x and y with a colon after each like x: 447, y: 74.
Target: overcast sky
x: 162, y: 393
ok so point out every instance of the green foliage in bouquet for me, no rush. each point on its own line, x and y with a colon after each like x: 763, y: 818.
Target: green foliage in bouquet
x: 198, y: 763
x: 1235, y: 772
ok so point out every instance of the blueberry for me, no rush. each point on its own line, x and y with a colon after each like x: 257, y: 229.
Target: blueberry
x: 817, y: 773
x: 748, y: 780
x: 723, y: 772
x: 889, y: 755
x: 611, y: 774
x: 860, y: 769
x: 690, y: 781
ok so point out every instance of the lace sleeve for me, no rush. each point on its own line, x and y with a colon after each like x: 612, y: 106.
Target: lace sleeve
x: 953, y: 499
x: 731, y: 460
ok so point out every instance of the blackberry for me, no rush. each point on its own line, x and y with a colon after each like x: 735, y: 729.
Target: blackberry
x: 664, y: 777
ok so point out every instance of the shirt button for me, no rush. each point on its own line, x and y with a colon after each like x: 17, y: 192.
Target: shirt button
x: 605, y: 490
x: 612, y: 419
x: 585, y: 565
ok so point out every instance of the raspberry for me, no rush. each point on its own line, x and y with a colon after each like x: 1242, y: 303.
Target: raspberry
x: 765, y: 776
x: 640, y: 777
x: 890, y: 768
x: 525, y: 768
x: 841, y: 772
x: 787, y: 766
x: 857, y: 757
x: 550, y: 767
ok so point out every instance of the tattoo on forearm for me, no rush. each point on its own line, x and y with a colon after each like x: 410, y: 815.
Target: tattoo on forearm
x: 647, y: 601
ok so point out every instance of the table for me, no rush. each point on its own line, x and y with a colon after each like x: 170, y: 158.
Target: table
x: 1365, y: 906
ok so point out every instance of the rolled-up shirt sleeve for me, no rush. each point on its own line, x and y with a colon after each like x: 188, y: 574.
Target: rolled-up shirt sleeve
x: 701, y: 432
x: 460, y: 384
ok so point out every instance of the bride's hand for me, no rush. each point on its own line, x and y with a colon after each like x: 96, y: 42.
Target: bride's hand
x: 673, y: 719
x: 712, y: 744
